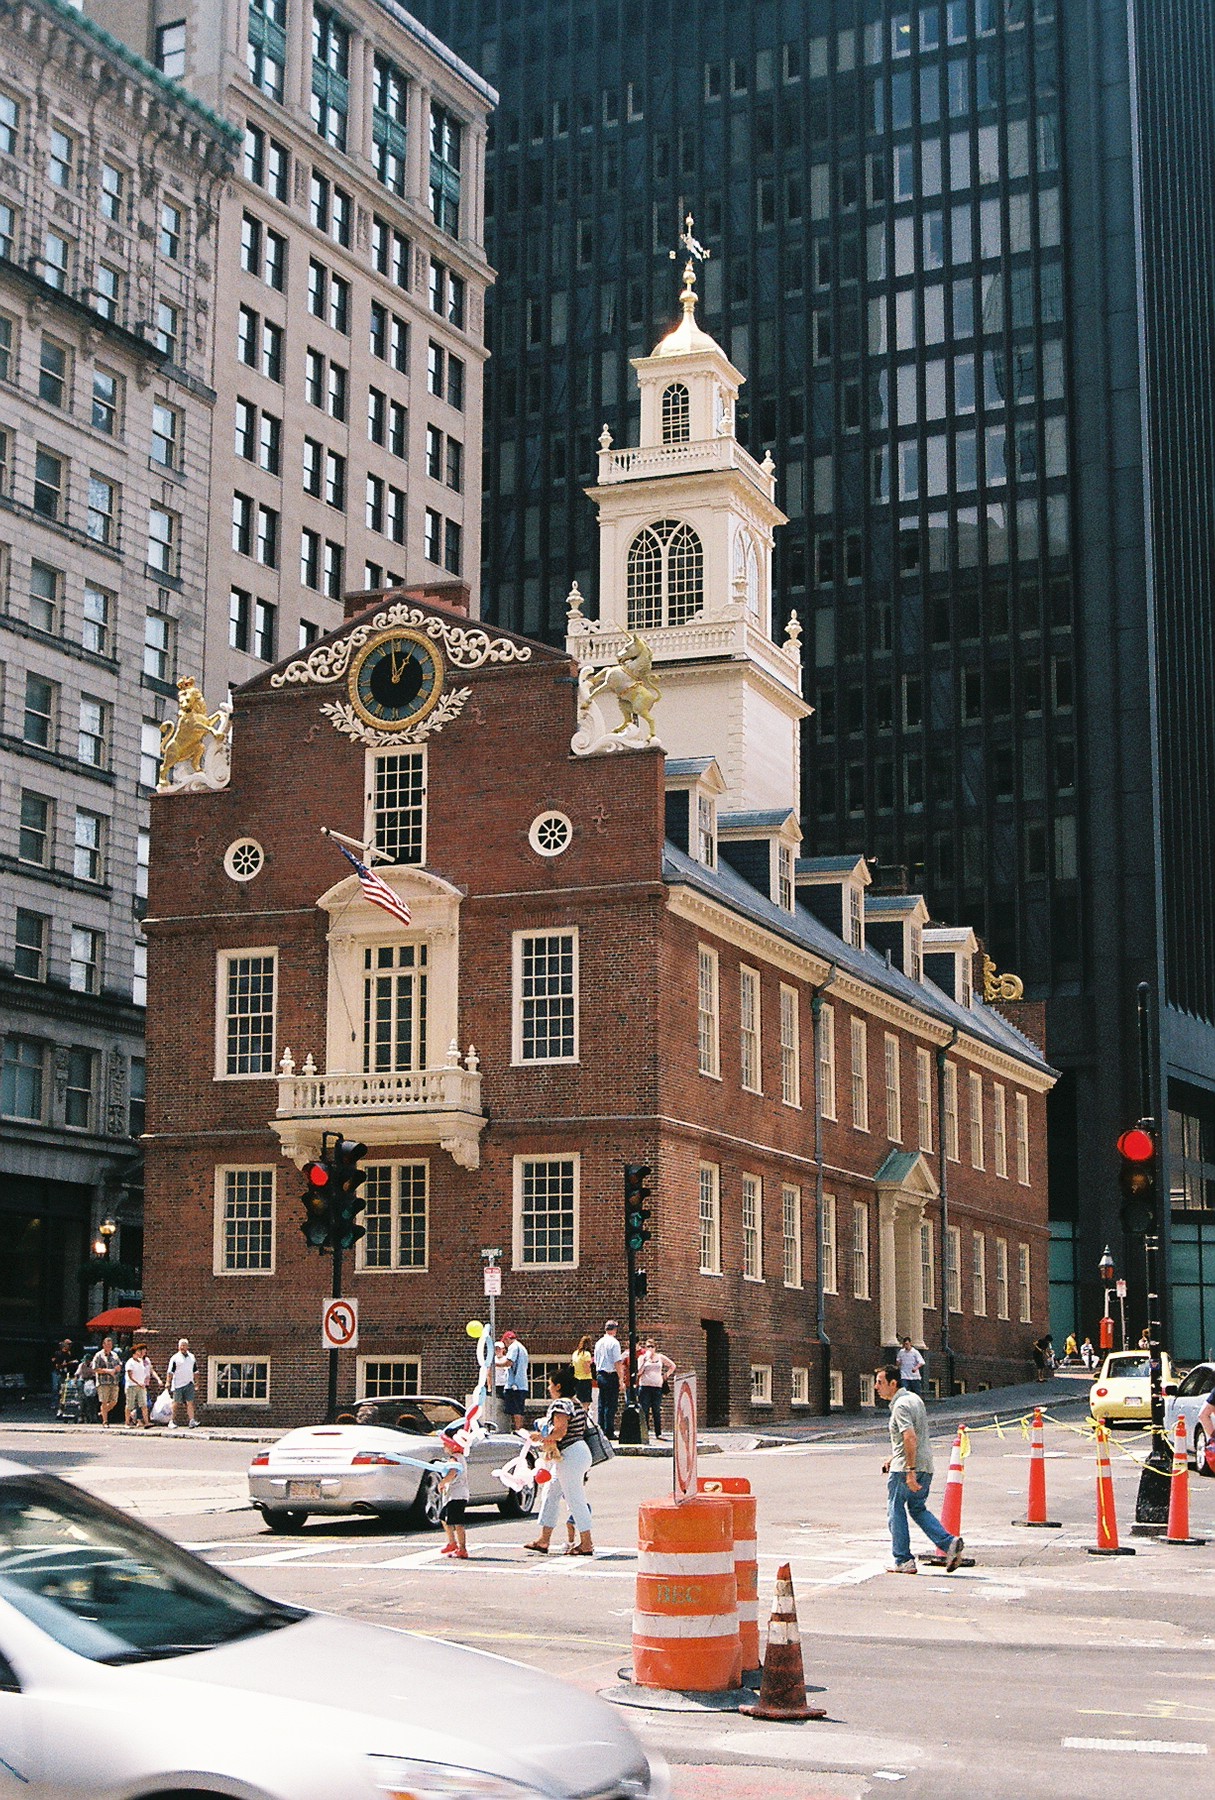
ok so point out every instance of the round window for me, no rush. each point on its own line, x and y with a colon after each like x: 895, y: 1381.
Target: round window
x: 551, y: 833
x: 244, y: 859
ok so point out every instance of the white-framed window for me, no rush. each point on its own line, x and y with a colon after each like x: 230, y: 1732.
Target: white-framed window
x: 238, y: 1381
x: 894, y: 1089
x: 244, y: 1221
x: 826, y: 1058
x: 923, y: 1098
x: 953, y: 1148
x: 785, y: 892
x: 953, y: 1268
x: 752, y: 1228
x: 748, y: 1028
x: 928, y: 1264
x: 1024, y: 1296
x: 761, y: 1384
x: 708, y: 1045
x: 1001, y: 1278
x: 999, y: 1130
x: 396, y: 1216
x: 799, y: 1387
x: 978, y: 1272
x: 860, y: 1250
x: 837, y: 1387
x: 539, y: 1369
x: 859, y: 1031
x: 790, y: 1046
x: 706, y: 829
x: 396, y: 804
x: 974, y: 1082
x: 710, y: 1219
x: 664, y: 576
x: 246, y: 981
x: 867, y: 1389
x: 546, y: 1212
x: 1021, y: 1132
x: 395, y: 1007
x: 545, y: 1010
x: 830, y: 1239
x: 379, y: 1377
x: 791, y: 1235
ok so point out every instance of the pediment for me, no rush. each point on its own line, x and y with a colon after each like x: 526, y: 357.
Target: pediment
x: 908, y: 1172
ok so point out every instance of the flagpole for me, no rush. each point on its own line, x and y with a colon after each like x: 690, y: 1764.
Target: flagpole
x: 366, y: 851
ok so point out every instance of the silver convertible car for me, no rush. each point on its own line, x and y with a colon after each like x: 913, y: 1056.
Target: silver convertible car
x: 132, y: 1670
x: 377, y: 1467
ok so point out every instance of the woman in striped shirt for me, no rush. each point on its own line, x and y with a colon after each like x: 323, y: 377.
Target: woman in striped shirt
x: 562, y: 1435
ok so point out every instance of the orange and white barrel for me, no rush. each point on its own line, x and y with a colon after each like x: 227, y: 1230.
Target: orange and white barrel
x: 685, y: 1627
x: 746, y: 1560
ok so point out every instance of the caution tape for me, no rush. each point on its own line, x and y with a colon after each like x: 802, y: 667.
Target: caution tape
x: 1087, y: 1431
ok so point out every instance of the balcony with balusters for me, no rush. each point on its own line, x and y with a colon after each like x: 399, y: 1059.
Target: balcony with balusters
x: 388, y: 1107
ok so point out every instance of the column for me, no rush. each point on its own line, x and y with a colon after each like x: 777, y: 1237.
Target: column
x: 887, y: 1273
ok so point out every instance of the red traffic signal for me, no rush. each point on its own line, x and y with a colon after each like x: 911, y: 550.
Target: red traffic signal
x: 1137, y: 1145
x: 317, y: 1174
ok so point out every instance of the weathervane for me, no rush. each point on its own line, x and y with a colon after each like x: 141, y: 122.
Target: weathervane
x: 694, y: 248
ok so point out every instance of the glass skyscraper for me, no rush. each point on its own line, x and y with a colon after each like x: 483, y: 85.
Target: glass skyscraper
x: 963, y: 251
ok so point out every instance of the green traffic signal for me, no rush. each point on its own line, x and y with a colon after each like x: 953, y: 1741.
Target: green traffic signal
x: 636, y: 1212
x: 348, y: 1202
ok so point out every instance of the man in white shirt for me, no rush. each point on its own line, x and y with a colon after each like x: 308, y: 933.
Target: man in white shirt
x: 139, y: 1374
x: 179, y: 1378
x: 608, y: 1356
x: 911, y: 1365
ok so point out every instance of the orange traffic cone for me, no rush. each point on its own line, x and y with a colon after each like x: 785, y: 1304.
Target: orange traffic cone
x: 1179, y: 1494
x: 951, y: 1504
x: 1107, y: 1523
x: 1035, y: 1511
x: 782, y: 1691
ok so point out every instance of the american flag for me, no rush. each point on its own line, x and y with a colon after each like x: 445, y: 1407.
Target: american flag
x: 378, y: 892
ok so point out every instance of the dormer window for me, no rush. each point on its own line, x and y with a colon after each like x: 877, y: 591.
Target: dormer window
x: 666, y: 578
x: 915, y: 952
x: 784, y: 877
x: 856, y: 918
x: 706, y: 819
x: 676, y: 414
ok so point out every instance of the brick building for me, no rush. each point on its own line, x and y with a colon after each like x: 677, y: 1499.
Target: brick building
x: 611, y: 958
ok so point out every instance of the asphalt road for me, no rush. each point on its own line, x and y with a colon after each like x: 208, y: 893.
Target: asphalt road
x: 1038, y: 1672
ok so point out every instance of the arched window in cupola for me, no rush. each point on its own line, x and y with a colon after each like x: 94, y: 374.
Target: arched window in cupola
x: 676, y: 414
x: 666, y: 575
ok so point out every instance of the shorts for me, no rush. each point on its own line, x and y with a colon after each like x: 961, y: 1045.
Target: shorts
x: 514, y: 1400
x: 184, y: 1395
x: 453, y: 1512
x: 136, y: 1397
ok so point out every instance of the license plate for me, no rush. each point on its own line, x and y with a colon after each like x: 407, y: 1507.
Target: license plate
x: 303, y: 1490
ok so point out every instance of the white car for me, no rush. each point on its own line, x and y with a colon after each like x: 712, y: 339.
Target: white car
x: 132, y: 1670
x: 1122, y: 1392
x: 378, y: 1468
x: 1186, y: 1404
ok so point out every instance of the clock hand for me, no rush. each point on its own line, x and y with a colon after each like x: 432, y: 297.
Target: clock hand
x: 398, y: 668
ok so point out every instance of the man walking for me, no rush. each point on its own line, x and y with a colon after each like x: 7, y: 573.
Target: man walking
x: 910, y: 1475
x: 179, y: 1379
x: 911, y: 1367
x: 514, y: 1361
x: 608, y: 1357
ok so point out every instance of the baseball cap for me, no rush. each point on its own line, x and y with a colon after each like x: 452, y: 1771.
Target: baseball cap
x: 610, y: 1324
x: 507, y: 1336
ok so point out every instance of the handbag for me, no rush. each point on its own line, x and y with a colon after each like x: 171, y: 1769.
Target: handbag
x: 597, y: 1443
x: 162, y: 1407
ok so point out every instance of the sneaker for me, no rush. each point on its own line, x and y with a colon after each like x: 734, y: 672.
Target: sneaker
x: 903, y: 1568
x: 173, y: 1425
x: 460, y: 1555
x: 193, y: 1423
x: 448, y: 1550
x: 953, y: 1556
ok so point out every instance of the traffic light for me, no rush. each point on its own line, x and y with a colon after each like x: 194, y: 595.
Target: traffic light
x: 318, y: 1204
x: 348, y: 1203
x: 1137, y: 1178
x: 636, y: 1212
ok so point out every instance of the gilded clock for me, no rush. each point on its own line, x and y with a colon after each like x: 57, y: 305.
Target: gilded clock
x: 396, y: 680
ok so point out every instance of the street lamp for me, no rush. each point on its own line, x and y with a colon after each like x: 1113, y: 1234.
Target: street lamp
x: 101, y: 1250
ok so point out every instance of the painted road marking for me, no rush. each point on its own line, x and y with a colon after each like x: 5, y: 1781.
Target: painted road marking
x: 277, y: 1556
x: 1144, y: 1746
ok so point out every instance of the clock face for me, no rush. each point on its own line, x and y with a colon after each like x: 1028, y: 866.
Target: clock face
x: 396, y: 680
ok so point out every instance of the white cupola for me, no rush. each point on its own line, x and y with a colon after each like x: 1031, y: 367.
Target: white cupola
x: 686, y: 523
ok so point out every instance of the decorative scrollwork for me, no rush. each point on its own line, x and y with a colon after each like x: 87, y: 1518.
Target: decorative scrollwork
x: 343, y: 718
x: 465, y: 646
x: 1000, y: 987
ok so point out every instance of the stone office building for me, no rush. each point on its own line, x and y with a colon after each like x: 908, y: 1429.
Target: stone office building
x: 109, y: 180
x: 608, y: 958
x: 349, y: 329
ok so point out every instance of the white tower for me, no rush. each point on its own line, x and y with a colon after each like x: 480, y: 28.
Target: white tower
x: 686, y: 526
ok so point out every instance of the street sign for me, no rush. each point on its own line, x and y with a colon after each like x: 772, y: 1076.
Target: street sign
x: 339, y: 1324
x: 1120, y: 1289
x: 493, y: 1281
x: 683, y: 1393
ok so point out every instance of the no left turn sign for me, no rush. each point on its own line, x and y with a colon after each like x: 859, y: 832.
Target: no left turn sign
x: 340, y: 1324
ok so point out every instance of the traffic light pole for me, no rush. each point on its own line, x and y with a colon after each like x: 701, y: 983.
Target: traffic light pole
x: 331, y: 1413
x: 1152, y: 1500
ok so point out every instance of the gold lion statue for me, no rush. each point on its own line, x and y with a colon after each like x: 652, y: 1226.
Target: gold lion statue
x: 185, y: 738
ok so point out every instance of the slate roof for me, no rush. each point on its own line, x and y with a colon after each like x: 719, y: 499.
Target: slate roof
x: 803, y: 930
x: 755, y: 821
x: 892, y: 906
x: 826, y: 865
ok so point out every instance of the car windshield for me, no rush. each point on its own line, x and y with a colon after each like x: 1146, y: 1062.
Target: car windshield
x: 1128, y: 1368
x: 108, y: 1588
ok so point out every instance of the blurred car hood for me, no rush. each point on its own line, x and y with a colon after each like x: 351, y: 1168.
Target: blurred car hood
x: 408, y: 1695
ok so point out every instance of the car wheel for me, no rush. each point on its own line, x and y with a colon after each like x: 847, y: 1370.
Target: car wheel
x: 512, y: 1504
x: 1200, y: 1452
x: 429, y: 1502
x: 279, y: 1520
